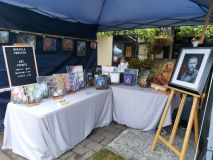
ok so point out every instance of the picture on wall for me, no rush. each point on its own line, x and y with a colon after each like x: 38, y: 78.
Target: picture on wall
x: 93, y: 44
x: 128, y: 51
x: 49, y: 44
x: 67, y: 45
x: 81, y: 48
x: 26, y: 38
x: 4, y: 37
x: 192, y: 69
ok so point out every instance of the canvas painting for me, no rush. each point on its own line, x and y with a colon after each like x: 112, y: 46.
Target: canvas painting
x: 93, y: 44
x: 26, y: 38
x: 81, y: 48
x: 18, y: 95
x: 49, y: 44
x: 60, y: 80
x: 67, y: 45
x: 192, y: 69
x: 132, y: 71
x: 4, y: 37
x: 74, y: 82
x: 129, y: 78
x: 144, y: 73
x: 101, y: 82
x: 89, y: 79
x: 114, y: 77
x: 76, y: 71
x: 34, y: 93
x: 107, y: 69
x: 163, y: 75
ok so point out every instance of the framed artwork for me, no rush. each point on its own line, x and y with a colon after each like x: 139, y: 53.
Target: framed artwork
x: 4, y: 36
x: 132, y: 71
x: 93, y: 45
x: 114, y: 77
x: 49, y: 44
x: 144, y: 73
x: 26, y: 38
x: 67, y: 44
x: 107, y: 69
x: 128, y: 51
x: 76, y: 72
x: 81, y: 48
x: 192, y: 69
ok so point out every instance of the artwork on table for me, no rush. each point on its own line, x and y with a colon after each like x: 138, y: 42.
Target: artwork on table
x: 192, y: 69
x: 163, y: 76
x: 4, y: 36
x: 101, y: 82
x: 67, y: 45
x: 114, y: 77
x: 26, y: 38
x: 130, y: 78
x: 76, y: 71
x: 61, y: 80
x: 98, y: 70
x: 89, y: 79
x: 93, y: 44
x: 144, y: 73
x: 49, y: 81
x: 81, y: 48
x: 132, y: 71
x: 49, y: 44
x: 107, y: 69
x: 128, y: 51
x: 18, y: 95
x: 74, y: 81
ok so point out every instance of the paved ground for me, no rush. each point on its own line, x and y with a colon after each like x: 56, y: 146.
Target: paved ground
x: 98, y: 139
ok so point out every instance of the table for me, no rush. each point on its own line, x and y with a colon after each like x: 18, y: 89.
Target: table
x: 46, y: 131
x: 140, y: 108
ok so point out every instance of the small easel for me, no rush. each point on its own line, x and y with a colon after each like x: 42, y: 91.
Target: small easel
x: 193, y: 118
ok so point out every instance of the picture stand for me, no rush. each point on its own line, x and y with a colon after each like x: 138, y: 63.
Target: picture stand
x: 192, y: 119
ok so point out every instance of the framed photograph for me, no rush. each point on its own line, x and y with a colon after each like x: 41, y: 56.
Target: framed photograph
x: 192, y: 69
x: 26, y: 38
x: 128, y: 51
x: 93, y: 44
x: 49, y: 44
x: 4, y: 36
x: 67, y: 45
x: 81, y: 48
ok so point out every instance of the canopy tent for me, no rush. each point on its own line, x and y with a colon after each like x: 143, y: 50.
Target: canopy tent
x: 117, y: 14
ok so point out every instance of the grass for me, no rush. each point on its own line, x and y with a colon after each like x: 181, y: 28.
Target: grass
x: 105, y: 154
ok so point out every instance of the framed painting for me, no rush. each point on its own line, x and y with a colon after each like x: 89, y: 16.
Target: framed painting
x: 67, y: 45
x: 192, y: 69
x: 128, y: 51
x: 93, y: 44
x: 4, y: 36
x: 26, y: 38
x: 49, y: 44
x: 81, y: 48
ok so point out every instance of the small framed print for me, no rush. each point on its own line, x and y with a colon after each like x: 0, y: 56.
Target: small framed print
x: 67, y: 44
x: 81, y: 48
x: 93, y: 44
x: 192, y: 69
x: 4, y: 36
x: 49, y: 44
x: 128, y: 51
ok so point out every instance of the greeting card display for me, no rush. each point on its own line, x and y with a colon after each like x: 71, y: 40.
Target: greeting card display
x: 114, y: 77
x: 130, y: 78
x: 101, y: 82
x: 78, y: 72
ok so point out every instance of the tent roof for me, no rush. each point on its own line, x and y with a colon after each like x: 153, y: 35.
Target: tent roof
x: 121, y: 14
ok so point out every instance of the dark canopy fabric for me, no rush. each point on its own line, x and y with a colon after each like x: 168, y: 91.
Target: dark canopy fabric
x: 121, y: 14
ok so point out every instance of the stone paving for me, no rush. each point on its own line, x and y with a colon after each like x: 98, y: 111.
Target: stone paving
x: 98, y: 139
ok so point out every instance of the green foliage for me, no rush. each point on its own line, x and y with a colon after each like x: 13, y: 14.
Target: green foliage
x: 194, y: 31
x: 136, y: 63
x: 105, y: 154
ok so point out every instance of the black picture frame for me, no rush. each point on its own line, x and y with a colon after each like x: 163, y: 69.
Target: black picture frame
x: 192, y: 69
x: 81, y: 48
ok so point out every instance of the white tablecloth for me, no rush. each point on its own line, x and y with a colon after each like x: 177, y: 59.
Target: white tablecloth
x: 48, y: 130
x: 140, y: 108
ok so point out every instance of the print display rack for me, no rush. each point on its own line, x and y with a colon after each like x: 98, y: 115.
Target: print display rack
x: 192, y: 119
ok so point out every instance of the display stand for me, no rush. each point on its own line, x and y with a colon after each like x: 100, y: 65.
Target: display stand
x: 192, y: 119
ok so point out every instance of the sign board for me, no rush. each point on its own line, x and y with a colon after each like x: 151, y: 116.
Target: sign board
x: 21, y: 65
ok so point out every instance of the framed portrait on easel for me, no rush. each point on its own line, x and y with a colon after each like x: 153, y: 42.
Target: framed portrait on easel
x: 192, y: 69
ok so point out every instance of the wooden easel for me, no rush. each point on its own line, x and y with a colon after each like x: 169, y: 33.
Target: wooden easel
x: 192, y: 119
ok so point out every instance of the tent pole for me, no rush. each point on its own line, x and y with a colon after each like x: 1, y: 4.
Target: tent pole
x: 207, y: 19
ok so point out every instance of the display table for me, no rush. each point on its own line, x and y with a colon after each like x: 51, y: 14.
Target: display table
x: 48, y: 130
x: 140, y: 108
